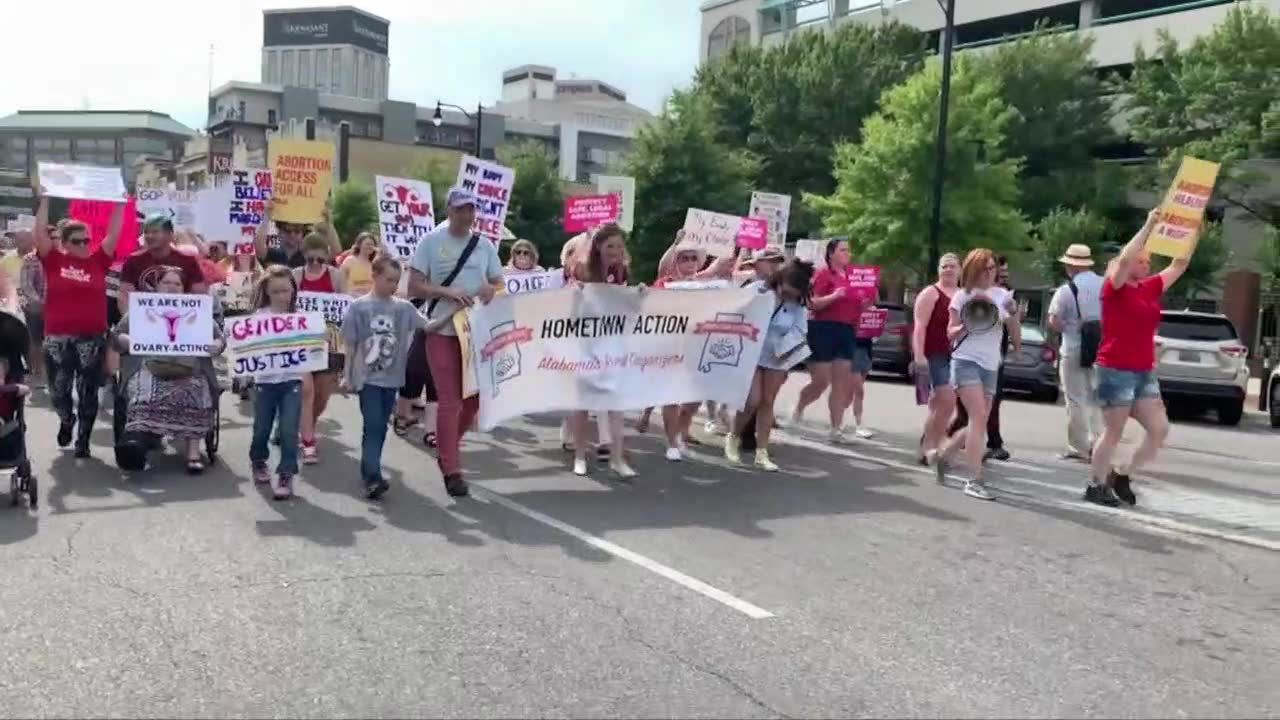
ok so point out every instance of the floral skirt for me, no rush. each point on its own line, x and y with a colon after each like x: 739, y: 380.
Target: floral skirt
x: 180, y: 408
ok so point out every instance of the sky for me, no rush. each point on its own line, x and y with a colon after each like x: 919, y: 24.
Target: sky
x: 155, y: 55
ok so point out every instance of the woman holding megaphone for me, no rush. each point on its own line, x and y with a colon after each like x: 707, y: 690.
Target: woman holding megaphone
x: 978, y: 310
x: 1126, y: 364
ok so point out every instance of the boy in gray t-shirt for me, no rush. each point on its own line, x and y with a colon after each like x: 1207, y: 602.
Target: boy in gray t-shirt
x: 376, y: 331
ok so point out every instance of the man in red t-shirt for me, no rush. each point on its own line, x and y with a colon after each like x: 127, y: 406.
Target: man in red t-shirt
x: 143, y: 269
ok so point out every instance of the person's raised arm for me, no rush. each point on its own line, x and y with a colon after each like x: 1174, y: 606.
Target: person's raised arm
x: 113, y: 230
x: 721, y: 268
x: 923, y: 311
x: 264, y: 228
x: 335, y: 242
x: 44, y: 243
x: 1118, y: 269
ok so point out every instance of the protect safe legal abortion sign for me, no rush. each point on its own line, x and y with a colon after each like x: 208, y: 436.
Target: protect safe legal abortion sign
x: 267, y: 344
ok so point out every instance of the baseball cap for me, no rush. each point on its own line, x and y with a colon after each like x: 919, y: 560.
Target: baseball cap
x: 459, y: 197
x: 769, y: 255
x: 158, y: 220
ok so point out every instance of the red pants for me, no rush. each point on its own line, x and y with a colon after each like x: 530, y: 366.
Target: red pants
x: 455, y: 415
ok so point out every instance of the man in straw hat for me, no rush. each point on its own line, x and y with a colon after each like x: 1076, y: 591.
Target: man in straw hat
x: 1076, y: 312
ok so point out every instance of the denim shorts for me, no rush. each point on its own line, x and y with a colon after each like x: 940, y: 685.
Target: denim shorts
x: 939, y: 371
x: 862, y: 356
x: 830, y: 341
x: 1122, y: 388
x: 968, y: 372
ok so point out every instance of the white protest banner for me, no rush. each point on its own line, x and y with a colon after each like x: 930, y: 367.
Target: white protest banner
x: 331, y: 306
x: 697, y: 285
x: 525, y: 282
x: 405, y: 213
x: 265, y: 344
x: 811, y: 251
x: 232, y: 212
x: 776, y: 210
x: 236, y: 292
x: 606, y: 347
x: 714, y: 233
x: 178, y: 205
x: 82, y: 182
x: 23, y: 222
x: 170, y: 324
x: 491, y: 185
x: 625, y: 188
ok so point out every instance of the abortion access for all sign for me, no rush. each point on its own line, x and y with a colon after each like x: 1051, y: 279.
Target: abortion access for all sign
x: 170, y: 324
x: 491, y: 185
x: 405, y: 213
x: 302, y: 175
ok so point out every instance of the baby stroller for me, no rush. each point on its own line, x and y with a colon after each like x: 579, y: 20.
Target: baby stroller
x: 15, y: 342
x: 131, y: 450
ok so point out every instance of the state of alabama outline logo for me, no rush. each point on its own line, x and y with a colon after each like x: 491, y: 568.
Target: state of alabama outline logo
x: 724, y: 342
x: 502, y: 352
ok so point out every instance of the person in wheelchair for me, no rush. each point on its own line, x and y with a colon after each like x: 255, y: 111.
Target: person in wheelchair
x: 163, y: 396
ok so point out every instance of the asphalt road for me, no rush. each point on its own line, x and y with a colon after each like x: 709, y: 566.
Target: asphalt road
x: 850, y: 585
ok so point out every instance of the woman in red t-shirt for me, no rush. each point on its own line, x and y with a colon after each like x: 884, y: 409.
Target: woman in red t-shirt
x: 75, y: 319
x: 606, y: 262
x: 1126, y: 364
x: 833, y: 327
x: 318, y: 275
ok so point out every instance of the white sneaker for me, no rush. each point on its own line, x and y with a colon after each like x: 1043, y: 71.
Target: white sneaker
x: 763, y: 462
x: 580, y: 466
x: 863, y: 433
x: 977, y: 489
x: 732, y: 445
x: 622, y: 469
x: 674, y: 454
x: 837, y: 436
x: 797, y: 419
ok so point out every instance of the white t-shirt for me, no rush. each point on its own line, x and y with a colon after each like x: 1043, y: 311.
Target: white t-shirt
x: 982, y: 347
x: 1064, y: 305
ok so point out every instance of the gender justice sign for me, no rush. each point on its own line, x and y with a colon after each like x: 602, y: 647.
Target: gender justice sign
x: 266, y: 344
x: 583, y: 212
x: 613, y: 348
x: 170, y: 324
x: 405, y: 213
x: 491, y: 184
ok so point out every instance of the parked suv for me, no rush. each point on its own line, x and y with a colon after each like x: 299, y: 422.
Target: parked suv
x: 891, y: 352
x: 1201, y: 364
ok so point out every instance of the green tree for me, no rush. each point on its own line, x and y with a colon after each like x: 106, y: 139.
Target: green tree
x: 1061, y: 116
x: 537, y: 200
x: 1204, y: 273
x: 1061, y: 228
x: 1269, y: 259
x: 791, y: 104
x: 354, y: 211
x: 1217, y: 99
x: 679, y: 163
x: 883, y: 199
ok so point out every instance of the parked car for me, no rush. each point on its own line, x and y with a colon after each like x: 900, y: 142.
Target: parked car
x: 1201, y: 364
x: 891, y: 352
x: 1034, y: 369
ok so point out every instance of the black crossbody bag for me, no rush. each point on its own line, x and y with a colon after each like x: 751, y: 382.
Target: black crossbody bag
x: 462, y: 260
x: 1090, y: 332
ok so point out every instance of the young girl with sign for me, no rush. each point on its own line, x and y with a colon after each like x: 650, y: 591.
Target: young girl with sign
x: 279, y: 396
x: 318, y: 275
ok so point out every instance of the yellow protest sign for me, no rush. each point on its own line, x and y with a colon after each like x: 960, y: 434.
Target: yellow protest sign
x: 301, y: 176
x: 1182, y: 212
x: 462, y: 326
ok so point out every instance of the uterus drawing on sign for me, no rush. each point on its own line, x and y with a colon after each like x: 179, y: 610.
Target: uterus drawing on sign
x: 172, y: 319
x: 410, y: 204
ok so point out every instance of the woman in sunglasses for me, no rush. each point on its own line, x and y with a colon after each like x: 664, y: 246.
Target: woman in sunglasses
x: 523, y: 258
x: 320, y: 276
x: 75, y: 319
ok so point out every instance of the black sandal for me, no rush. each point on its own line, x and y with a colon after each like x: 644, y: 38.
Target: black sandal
x: 429, y: 440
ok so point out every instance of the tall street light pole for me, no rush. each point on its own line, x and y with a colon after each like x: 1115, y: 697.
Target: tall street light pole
x: 940, y: 147
x: 438, y: 119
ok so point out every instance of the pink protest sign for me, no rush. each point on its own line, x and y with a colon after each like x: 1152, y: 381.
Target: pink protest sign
x: 865, y: 279
x: 871, y: 323
x: 97, y: 215
x: 583, y: 212
x: 753, y: 233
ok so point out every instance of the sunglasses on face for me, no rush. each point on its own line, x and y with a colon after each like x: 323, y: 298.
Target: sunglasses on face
x: 523, y: 252
x: 687, y: 258
x: 316, y: 260
x: 77, y: 240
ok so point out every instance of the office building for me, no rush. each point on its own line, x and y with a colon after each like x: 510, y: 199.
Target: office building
x: 1116, y: 26
x: 336, y: 51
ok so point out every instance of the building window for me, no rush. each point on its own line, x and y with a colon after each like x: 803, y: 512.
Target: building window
x: 996, y: 29
x: 304, y: 68
x: 1120, y: 10
x: 273, y: 66
x: 726, y: 34
x: 240, y: 111
x: 286, y: 68
x: 335, y: 67
x: 271, y: 116
x: 322, y: 70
